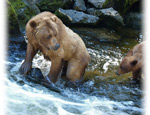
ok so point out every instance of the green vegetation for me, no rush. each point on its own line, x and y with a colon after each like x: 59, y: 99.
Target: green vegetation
x: 12, y: 20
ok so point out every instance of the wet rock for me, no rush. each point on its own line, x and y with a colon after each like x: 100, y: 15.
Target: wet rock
x: 109, y: 17
x: 35, y: 75
x: 50, y: 85
x: 97, y: 3
x: 79, y: 5
x: 91, y: 11
x: 76, y: 17
x: 134, y: 20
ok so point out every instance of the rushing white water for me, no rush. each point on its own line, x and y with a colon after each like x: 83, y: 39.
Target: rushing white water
x: 27, y: 100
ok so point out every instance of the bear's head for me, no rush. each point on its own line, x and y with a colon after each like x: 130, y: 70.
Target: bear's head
x: 45, y: 32
x: 128, y: 64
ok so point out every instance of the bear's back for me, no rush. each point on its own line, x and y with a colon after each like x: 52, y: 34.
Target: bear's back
x: 138, y: 48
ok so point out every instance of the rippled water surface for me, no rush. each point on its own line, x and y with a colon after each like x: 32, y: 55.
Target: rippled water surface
x: 102, y: 93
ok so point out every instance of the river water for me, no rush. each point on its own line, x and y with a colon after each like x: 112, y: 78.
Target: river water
x: 102, y: 93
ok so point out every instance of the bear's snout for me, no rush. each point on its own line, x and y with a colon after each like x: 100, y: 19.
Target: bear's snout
x: 53, y: 47
x: 57, y: 46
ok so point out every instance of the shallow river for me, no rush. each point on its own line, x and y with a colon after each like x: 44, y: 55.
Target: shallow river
x: 102, y: 93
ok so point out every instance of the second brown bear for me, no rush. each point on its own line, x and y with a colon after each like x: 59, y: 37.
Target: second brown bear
x: 133, y: 62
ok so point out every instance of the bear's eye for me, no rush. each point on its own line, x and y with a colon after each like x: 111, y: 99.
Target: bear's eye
x: 49, y: 36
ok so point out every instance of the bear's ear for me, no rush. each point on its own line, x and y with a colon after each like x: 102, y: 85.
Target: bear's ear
x: 134, y: 62
x: 53, y: 18
x: 33, y: 24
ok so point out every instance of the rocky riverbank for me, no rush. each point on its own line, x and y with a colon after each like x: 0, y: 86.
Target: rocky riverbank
x: 110, y: 14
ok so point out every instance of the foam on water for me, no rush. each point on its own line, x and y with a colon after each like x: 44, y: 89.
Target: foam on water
x: 26, y: 99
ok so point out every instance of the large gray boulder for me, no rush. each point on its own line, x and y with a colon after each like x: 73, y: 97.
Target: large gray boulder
x: 76, y: 17
x: 97, y: 3
x: 109, y: 16
x: 79, y: 5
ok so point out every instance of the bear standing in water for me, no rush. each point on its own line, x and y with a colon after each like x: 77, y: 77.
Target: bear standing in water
x: 133, y: 62
x: 59, y: 44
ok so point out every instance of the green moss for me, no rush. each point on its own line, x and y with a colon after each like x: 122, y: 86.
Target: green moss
x: 23, y: 12
x: 13, y: 26
x: 89, y: 75
x: 109, y: 77
x: 50, y: 5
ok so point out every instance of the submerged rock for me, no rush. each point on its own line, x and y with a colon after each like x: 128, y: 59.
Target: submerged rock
x: 97, y: 3
x: 76, y: 17
x: 79, y: 5
x: 36, y: 76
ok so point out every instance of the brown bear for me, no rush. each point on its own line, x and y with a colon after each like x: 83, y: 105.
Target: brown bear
x: 133, y: 62
x: 47, y: 33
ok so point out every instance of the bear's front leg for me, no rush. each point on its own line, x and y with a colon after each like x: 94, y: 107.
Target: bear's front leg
x: 55, y: 70
x: 27, y: 64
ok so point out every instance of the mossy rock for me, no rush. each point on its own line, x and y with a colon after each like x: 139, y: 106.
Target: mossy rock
x: 13, y: 26
x: 109, y: 77
x: 89, y: 75
x: 23, y: 13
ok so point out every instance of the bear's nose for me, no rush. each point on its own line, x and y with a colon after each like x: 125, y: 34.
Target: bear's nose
x: 57, y: 46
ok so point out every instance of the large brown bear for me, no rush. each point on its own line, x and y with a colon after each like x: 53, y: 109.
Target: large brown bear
x: 133, y: 62
x: 59, y: 44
